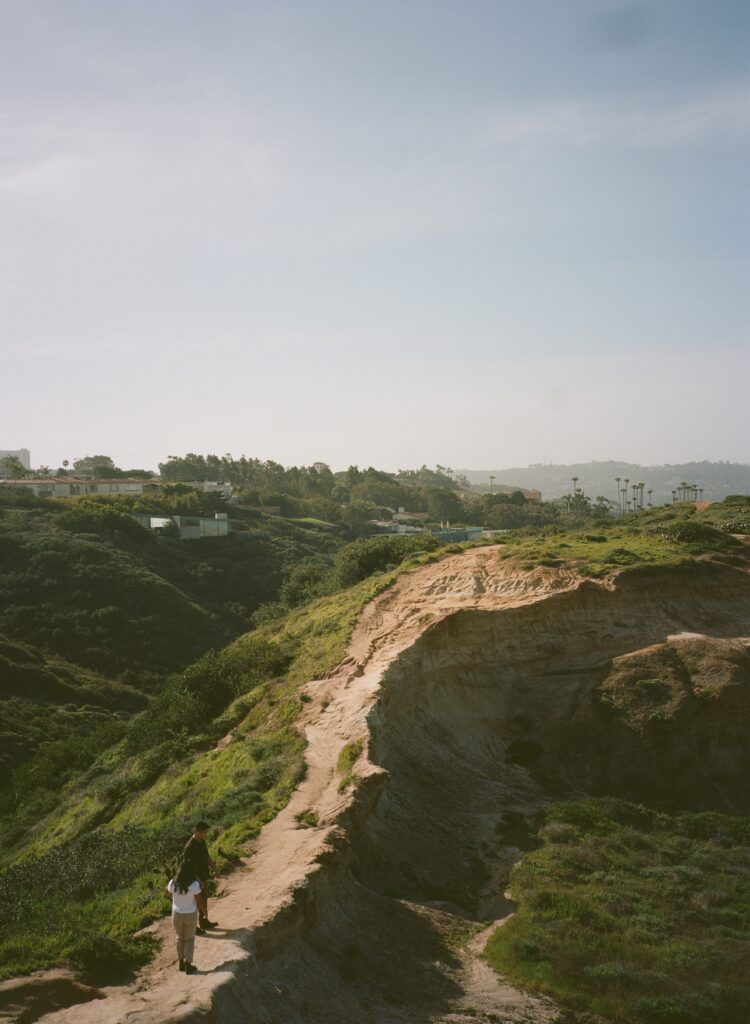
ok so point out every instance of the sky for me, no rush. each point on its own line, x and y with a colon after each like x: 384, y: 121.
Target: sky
x: 387, y: 232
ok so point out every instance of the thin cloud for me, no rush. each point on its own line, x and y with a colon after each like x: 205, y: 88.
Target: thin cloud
x: 723, y: 116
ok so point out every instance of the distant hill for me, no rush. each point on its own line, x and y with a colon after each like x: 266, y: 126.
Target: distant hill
x: 718, y: 479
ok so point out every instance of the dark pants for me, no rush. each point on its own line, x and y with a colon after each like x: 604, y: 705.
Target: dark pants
x: 201, y: 899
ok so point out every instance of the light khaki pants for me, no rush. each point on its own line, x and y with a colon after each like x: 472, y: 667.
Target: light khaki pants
x: 184, y: 930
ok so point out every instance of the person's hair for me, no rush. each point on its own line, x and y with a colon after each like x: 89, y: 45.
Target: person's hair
x: 186, y: 875
x: 201, y: 826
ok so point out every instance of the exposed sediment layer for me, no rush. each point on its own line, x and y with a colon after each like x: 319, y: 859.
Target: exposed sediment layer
x: 481, y: 693
x: 642, y: 692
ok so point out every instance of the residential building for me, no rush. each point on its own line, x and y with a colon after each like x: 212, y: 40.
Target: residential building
x: 22, y: 454
x: 402, y: 516
x: 389, y: 526
x: 72, y: 487
x: 209, y: 487
x: 189, y: 527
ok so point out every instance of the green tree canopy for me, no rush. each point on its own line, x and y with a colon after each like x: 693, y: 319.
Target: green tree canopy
x: 444, y: 505
x: 12, y: 465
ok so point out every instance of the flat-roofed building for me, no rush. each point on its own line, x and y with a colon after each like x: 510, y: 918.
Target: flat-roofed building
x: 73, y: 487
x: 22, y: 454
x: 189, y: 527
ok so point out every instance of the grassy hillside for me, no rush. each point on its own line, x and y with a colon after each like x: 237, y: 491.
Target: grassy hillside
x: 47, y: 700
x: 731, y: 515
x: 93, y: 824
x: 658, y: 537
x: 86, y: 582
x: 97, y: 840
x: 96, y: 612
x: 635, y: 915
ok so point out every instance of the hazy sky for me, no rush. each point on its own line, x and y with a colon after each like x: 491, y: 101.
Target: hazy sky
x: 478, y: 232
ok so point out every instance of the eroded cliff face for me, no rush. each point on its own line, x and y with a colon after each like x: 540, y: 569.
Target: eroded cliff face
x: 481, y: 692
x: 642, y: 692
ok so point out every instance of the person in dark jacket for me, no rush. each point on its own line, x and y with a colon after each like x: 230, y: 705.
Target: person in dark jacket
x: 196, y: 851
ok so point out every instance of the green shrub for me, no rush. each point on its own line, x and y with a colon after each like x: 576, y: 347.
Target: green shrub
x: 362, y: 558
x: 348, y: 757
x: 269, y: 612
x: 191, y: 701
x: 104, y: 521
x: 307, y: 819
x: 698, y: 535
x: 304, y: 581
x: 622, y: 556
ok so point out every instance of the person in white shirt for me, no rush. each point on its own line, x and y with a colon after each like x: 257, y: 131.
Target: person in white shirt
x: 183, y: 889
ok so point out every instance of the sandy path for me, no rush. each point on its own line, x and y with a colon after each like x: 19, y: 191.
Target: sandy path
x: 284, y: 855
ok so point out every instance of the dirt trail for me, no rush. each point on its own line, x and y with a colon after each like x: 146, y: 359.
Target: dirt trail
x: 258, y: 909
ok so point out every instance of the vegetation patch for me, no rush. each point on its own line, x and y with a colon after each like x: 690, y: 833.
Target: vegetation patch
x: 348, y: 757
x: 731, y: 515
x: 307, y: 819
x: 139, y: 792
x: 665, y: 536
x: 85, y: 582
x: 635, y: 915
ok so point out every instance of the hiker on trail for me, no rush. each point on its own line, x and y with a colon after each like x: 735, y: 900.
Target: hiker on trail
x: 197, y: 852
x: 184, y: 889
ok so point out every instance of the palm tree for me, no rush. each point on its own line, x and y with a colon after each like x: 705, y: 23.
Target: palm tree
x: 650, y: 492
x: 601, y: 508
x: 619, y: 499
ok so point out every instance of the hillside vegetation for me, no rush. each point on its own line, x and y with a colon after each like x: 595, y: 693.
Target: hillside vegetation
x: 84, y: 580
x: 95, y: 828
x: 660, y: 536
x: 96, y: 611
x: 634, y: 914
x: 97, y: 837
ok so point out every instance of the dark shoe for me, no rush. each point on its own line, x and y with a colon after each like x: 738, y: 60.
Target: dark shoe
x: 200, y: 931
x: 181, y: 965
x: 205, y: 923
x: 190, y: 969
